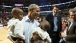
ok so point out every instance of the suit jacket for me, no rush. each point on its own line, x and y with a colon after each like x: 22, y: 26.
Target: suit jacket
x: 71, y: 36
x: 50, y: 19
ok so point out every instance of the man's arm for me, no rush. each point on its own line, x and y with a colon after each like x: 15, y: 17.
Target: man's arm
x: 72, y: 37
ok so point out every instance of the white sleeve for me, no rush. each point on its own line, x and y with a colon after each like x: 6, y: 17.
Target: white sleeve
x: 34, y: 30
x: 9, y: 33
x: 49, y: 39
x: 8, y: 27
x: 18, y: 31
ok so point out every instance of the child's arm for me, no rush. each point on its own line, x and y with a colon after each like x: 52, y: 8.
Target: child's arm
x: 49, y: 39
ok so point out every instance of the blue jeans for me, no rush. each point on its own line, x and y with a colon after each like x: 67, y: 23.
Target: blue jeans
x: 62, y: 40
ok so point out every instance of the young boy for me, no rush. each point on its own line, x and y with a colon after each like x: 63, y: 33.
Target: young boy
x: 40, y: 34
x: 15, y: 26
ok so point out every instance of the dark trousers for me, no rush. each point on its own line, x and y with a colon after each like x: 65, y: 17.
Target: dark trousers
x: 55, y: 37
x: 14, y: 38
x: 17, y: 39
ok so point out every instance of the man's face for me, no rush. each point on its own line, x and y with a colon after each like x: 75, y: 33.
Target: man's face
x: 71, y: 15
x: 35, y: 13
x: 55, y: 10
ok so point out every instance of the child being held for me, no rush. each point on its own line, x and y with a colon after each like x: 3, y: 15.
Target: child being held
x: 40, y: 34
x: 15, y: 26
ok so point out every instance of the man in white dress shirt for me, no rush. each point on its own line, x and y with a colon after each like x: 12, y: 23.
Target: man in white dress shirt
x: 29, y: 21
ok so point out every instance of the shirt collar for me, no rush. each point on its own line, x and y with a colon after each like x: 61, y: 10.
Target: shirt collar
x: 54, y: 14
x: 28, y: 20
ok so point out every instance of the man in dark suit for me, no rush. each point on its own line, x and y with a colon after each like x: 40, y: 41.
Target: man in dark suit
x: 71, y: 33
x: 56, y: 25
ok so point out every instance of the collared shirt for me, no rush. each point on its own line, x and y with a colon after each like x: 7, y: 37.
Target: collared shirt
x: 29, y: 26
x: 43, y: 34
x: 55, y: 24
x: 15, y: 28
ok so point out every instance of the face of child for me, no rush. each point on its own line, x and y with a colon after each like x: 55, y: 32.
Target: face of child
x: 20, y: 16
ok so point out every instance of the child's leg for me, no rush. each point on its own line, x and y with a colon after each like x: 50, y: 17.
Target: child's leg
x: 10, y: 39
x: 19, y: 41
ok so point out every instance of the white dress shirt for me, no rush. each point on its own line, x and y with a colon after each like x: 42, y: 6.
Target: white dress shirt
x: 15, y: 28
x: 29, y: 26
x: 43, y: 34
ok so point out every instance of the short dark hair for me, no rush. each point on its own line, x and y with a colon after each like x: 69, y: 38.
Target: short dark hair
x: 32, y: 6
x: 36, y: 33
x: 16, y: 10
x: 56, y: 6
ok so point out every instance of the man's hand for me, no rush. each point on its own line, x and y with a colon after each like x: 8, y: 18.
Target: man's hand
x: 63, y: 34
